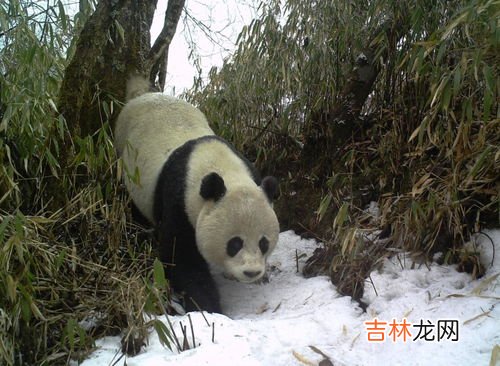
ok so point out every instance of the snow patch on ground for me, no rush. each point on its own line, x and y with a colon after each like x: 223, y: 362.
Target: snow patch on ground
x: 275, y: 323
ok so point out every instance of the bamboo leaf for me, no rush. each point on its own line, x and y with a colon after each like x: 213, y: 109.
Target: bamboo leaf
x: 3, y: 225
x: 324, y: 206
x: 62, y: 15
x: 120, y: 30
x: 480, y: 162
x: 453, y: 24
x: 439, y: 89
x: 342, y: 216
x: 445, y: 101
x: 457, y: 79
x: 36, y: 311
x: 164, y: 334
x: 159, y: 275
x: 487, y: 103
x: 11, y: 288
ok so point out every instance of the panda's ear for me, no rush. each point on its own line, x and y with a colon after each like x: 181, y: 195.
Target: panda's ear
x: 270, y: 187
x: 212, y: 187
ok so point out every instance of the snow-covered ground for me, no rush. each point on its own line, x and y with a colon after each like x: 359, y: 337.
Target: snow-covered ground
x: 276, y: 323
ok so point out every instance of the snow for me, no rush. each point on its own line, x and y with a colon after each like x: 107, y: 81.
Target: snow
x: 275, y: 323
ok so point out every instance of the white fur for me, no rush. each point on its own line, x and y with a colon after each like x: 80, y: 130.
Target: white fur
x: 148, y: 129
x: 137, y: 86
x: 242, y: 212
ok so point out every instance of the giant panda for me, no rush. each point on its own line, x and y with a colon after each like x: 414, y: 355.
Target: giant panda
x: 207, y: 202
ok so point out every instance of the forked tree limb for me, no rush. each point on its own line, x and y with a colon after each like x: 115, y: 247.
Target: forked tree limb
x: 158, y: 55
x: 114, y: 43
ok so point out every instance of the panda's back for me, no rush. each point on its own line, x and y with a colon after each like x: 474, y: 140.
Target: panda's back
x: 156, y: 119
x: 148, y: 129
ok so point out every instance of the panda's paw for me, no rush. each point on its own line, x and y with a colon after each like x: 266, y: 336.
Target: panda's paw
x: 199, y: 293
x: 202, y: 302
x: 177, y: 304
x: 265, y: 278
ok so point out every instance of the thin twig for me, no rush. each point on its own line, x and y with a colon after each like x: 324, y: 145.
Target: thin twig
x: 192, y: 331
x: 297, y: 260
x: 185, y: 343
x: 200, y: 310
x: 492, y: 247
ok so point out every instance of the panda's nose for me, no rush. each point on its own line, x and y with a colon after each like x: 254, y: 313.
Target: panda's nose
x: 252, y: 274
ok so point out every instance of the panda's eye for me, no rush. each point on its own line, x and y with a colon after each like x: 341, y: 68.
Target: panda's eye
x: 233, y: 246
x: 264, y: 245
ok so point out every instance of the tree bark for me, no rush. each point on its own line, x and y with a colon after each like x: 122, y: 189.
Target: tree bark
x: 158, y: 55
x: 114, y: 43
x: 332, y: 128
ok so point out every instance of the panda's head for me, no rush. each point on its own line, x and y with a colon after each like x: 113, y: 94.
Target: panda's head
x: 237, y: 229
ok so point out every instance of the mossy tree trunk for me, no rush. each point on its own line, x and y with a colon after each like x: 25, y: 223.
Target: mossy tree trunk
x: 114, y: 43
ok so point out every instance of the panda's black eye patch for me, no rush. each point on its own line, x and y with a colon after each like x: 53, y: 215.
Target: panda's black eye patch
x: 264, y: 245
x: 234, y: 245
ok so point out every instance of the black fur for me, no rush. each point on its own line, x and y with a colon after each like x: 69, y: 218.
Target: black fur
x: 212, y: 187
x: 187, y: 270
x: 270, y: 187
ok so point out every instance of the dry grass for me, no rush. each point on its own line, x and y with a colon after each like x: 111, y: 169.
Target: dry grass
x: 75, y: 275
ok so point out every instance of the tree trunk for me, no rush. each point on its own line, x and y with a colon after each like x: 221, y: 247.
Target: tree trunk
x: 114, y: 43
x: 332, y: 128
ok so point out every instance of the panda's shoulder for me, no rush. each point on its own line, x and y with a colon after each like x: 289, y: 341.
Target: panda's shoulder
x: 254, y: 173
x: 171, y: 185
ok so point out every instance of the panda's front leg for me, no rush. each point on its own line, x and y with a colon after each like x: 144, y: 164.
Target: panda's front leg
x: 187, y: 271
x: 197, y: 287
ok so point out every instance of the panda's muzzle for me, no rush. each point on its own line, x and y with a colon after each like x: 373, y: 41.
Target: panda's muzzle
x: 252, y: 274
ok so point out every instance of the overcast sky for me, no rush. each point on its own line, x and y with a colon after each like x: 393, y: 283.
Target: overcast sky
x: 209, y: 31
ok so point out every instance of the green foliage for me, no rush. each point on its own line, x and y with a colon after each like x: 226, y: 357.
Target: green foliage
x: 427, y: 144
x: 33, y: 44
x: 289, y: 64
x: 75, y: 269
